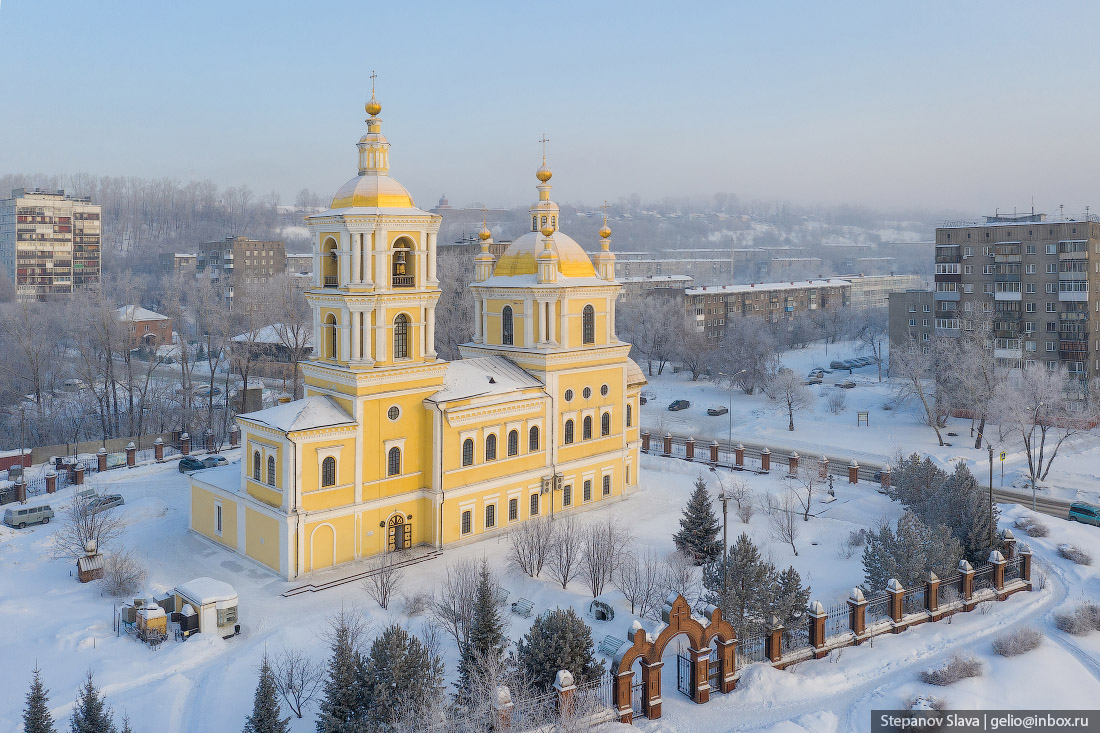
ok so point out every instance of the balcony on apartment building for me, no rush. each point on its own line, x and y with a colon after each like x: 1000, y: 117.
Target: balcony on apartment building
x: 947, y: 253
x: 946, y: 290
x: 1073, y: 249
x: 1004, y: 252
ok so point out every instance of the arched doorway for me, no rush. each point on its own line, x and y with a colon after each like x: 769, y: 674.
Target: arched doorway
x: 398, y: 533
x: 322, y: 547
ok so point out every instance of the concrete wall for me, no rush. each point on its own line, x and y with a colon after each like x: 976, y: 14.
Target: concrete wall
x: 41, y: 454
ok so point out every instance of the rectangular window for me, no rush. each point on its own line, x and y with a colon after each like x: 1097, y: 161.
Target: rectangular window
x: 607, y: 486
x: 1051, y: 308
x: 927, y: 309
x: 1052, y: 365
x: 1030, y: 249
x: 490, y: 516
x: 912, y: 321
x: 968, y: 288
x: 466, y: 522
x: 588, y: 490
x: 1029, y: 326
x: 1052, y: 326
x: 513, y: 510
x: 1052, y: 249
x: 1031, y: 287
x: 1051, y: 288
x: 967, y: 251
x: 567, y: 495
x: 1029, y: 269
x: 968, y: 269
x: 988, y: 288
x: 1052, y: 345
x: 988, y: 269
x: 912, y: 308
x: 1029, y: 307
x: 534, y: 505
x: 1029, y: 346
x: 1052, y: 267
x: 925, y: 323
x: 218, y: 519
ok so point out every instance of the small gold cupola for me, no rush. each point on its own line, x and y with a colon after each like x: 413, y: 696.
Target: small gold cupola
x: 604, y: 259
x: 484, y: 262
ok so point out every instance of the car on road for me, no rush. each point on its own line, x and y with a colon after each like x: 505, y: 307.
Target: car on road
x: 190, y: 463
x: 20, y: 518
x: 846, y: 384
x: 679, y: 405
x: 211, y: 461
x: 818, y: 371
x: 837, y: 365
x: 813, y: 379
x: 107, y: 501
x: 718, y: 410
x: 1085, y: 513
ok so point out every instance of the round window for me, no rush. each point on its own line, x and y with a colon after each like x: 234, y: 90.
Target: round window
x: 393, y: 413
x: 587, y: 392
x: 604, y: 390
x: 568, y: 395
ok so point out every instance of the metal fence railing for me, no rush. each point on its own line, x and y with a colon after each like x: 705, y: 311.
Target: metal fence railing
x: 1012, y: 568
x: 878, y: 609
x: 837, y: 620
x: 912, y: 601
x: 749, y: 651
x: 983, y: 578
x: 948, y: 591
x: 796, y: 639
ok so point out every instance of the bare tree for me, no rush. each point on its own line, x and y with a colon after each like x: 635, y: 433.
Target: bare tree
x: 529, y: 543
x: 173, y: 292
x: 832, y: 323
x: 297, y: 678
x: 30, y: 346
x: 917, y: 368
x: 123, y: 573
x: 654, y: 326
x: 872, y: 330
x: 746, y: 356
x: 293, y: 323
x: 454, y: 607
x: 81, y: 524
x: 782, y: 524
x: 384, y: 578
x: 694, y: 350
x: 212, y: 328
x: 563, y: 563
x: 805, y: 481
x: 248, y: 319
x: 787, y: 389
x: 639, y: 577
x: 602, y: 544
x: 679, y: 576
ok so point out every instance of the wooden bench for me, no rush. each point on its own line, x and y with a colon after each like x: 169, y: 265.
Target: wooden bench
x: 523, y: 607
x: 500, y: 596
x: 610, y: 645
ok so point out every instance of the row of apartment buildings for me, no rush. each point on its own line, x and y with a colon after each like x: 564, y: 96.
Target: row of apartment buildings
x: 236, y: 262
x: 1027, y: 279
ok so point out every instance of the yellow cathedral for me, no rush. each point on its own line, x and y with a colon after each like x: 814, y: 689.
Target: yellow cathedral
x: 392, y: 447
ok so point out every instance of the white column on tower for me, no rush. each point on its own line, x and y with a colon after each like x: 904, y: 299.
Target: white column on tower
x: 432, y: 278
x: 431, y: 353
x: 563, y: 319
x: 345, y: 259
x: 423, y: 329
x: 345, y: 334
x: 552, y: 331
x: 479, y: 337
x: 356, y: 257
x: 485, y: 320
x: 380, y: 330
x: 529, y: 322
x: 356, y: 334
x: 381, y: 272
x: 367, y: 356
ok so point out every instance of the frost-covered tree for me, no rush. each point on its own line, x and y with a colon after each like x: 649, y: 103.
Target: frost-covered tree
x: 487, y: 640
x: 341, y: 708
x: 400, y: 678
x: 787, y: 390
x: 919, y: 375
x: 872, y: 330
x: 559, y: 639
x: 36, y: 710
x: 788, y: 597
x: 746, y: 356
x: 91, y: 714
x: 265, y: 705
x: 738, y: 585
x: 908, y: 554
x: 601, y: 545
x: 698, y: 535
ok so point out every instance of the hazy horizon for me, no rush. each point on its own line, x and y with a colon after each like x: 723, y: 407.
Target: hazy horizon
x: 935, y: 106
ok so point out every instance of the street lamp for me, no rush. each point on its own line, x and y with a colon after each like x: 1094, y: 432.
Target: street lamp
x: 22, y: 438
x: 724, y: 497
x: 729, y: 438
x: 991, y: 533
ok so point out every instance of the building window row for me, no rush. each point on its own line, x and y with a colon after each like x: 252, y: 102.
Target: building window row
x: 490, y: 450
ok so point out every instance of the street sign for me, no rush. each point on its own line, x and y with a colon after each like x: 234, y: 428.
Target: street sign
x: 1002, y: 455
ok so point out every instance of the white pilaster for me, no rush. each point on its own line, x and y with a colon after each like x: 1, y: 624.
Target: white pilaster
x: 479, y: 336
x: 356, y: 257
x: 345, y: 259
x: 432, y: 278
x: 430, y: 338
x: 356, y: 335
x: 381, y: 329
x: 345, y: 334
x: 381, y: 271
x: 529, y: 323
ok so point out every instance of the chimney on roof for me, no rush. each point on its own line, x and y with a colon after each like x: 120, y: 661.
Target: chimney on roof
x: 492, y: 380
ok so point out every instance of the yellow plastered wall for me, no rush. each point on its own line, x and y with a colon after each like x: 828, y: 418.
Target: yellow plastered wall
x: 374, y: 525
x: 595, y: 406
x: 328, y: 540
x: 456, y: 475
x: 262, y: 537
x: 316, y: 497
x: 267, y: 448
x: 204, y: 513
x: 494, y: 326
x: 325, y: 335
x: 410, y: 433
x: 574, y: 310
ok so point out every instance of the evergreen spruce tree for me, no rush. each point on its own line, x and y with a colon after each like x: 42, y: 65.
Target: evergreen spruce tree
x: 265, y: 705
x: 126, y: 725
x: 788, y: 598
x: 744, y: 600
x: 341, y: 708
x: 487, y: 639
x: 36, y: 712
x: 558, y: 639
x: 400, y: 681
x: 91, y: 714
x: 699, y: 527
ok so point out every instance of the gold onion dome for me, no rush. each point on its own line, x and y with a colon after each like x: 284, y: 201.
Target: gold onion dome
x: 543, y: 173
x: 547, y: 231
x: 484, y: 233
x: 373, y: 107
x: 605, y: 231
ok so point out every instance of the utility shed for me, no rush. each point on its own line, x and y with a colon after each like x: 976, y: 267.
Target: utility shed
x: 214, y: 602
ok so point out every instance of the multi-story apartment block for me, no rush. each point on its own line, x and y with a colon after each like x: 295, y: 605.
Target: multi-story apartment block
x: 49, y: 242
x: 872, y: 291
x: 178, y: 263
x: 240, y: 261
x: 910, y: 319
x: 664, y: 285
x: 1029, y: 278
x: 713, y: 307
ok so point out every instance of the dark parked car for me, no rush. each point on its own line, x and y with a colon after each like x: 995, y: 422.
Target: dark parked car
x: 211, y: 461
x: 718, y: 410
x: 107, y: 501
x: 837, y: 365
x: 679, y: 405
x: 190, y: 463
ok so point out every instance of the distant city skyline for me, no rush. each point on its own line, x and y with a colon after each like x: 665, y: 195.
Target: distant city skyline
x: 969, y: 107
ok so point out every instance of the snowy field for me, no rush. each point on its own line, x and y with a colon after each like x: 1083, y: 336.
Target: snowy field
x: 1075, y: 475
x: 206, y: 684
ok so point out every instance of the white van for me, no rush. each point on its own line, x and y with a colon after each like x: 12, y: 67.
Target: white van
x: 21, y: 517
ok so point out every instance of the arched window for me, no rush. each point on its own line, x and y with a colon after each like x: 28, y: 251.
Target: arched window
x: 466, y: 522
x: 533, y: 438
x: 491, y: 447
x: 401, y: 336
x: 568, y: 432
x: 588, y: 325
x: 468, y: 452
x: 328, y: 472
x: 534, y: 223
x: 513, y: 443
x: 605, y: 424
x: 271, y: 470
x: 403, y: 268
x: 330, y: 336
x: 586, y: 430
x: 256, y: 466
x: 506, y: 333
x: 393, y: 462
x: 629, y: 416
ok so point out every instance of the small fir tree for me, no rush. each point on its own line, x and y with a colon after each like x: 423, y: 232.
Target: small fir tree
x: 743, y: 596
x: 788, y: 598
x: 558, y: 639
x: 699, y: 527
x: 126, y: 725
x: 265, y: 705
x: 400, y: 680
x: 487, y: 639
x: 36, y: 712
x: 341, y: 708
x: 91, y: 714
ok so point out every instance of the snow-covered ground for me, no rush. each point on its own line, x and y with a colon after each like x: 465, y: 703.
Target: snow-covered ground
x: 1075, y: 475
x: 206, y: 684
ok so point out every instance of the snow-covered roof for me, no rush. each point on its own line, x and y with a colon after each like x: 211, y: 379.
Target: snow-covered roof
x: 137, y: 313
x: 757, y: 287
x: 656, y: 278
x: 316, y: 411
x: 488, y: 375
x: 151, y: 612
x: 207, y: 590
x: 268, y: 335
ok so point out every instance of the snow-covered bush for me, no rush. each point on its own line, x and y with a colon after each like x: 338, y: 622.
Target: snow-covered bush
x: 123, y: 573
x: 1074, y: 553
x: 836, y: 401
x: 417, y: 603
x: 925, y: 702
x: 1017, y: 642
x: 1079, y: 621
x: 1032, y: 526
x: 848, y: 546
x: 745, y: 513
x: 957, y: 668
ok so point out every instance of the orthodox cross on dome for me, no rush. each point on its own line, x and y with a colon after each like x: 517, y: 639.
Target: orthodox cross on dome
x: 605, y: 207
x: 544, y: 140
x: 373, y: 76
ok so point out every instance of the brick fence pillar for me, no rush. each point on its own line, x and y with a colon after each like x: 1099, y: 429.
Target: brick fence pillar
x: 700, y: 674
x: 886, y: 476
x: 564, y: 686
x: 823, y: 472
x: 651, y: 688
x: 966, y: 584
x: 624, y: 681
x: 792, y: 461
x: 689, y: 447
x: 131, y: 454
x: 739, y: 455
x: 857, y: 613
x: 773, y: 642
x: 816, y: 623
x: 158, y: 450
x: 714, y: 453
x: 896, y: 593
x: 1010, y: 544
x: 1025, y: 564
x: 932, y: 593
x: 78, y: 475
x: 668, y: 444
x: 853, y: 472
x: 765, y: 459
x: 209, y: 441
x: 645, y: 441
x: 21, y: 490
x: 502, y: 707
x: 998, y: 561
x: 727, y: 665
x: 185, y: 444
x: 234, y: 436
x: 101, y: 460
x: 51, y: 482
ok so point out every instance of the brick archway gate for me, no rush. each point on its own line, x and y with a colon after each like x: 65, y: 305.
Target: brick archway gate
x: 678, y: 620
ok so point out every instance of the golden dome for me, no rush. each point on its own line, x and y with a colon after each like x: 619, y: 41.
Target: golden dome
x: 605, y: 231
x: 521, y: 257
x: 372, y: 191
x: 373, y: 107
x: 543, y: 173
x: 484, y: 233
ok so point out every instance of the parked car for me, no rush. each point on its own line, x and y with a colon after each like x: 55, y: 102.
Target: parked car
x: 679, y: 405
x: 102, y: 503
x: 814, y: 379
x: 211, y: 461
x: 190, y: 463
x: 20, y: 518
x: 717, y: 410
x: 1079, y: 511
x: 837, y: 365
x: 817, y: 371
x: 846, y: 384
